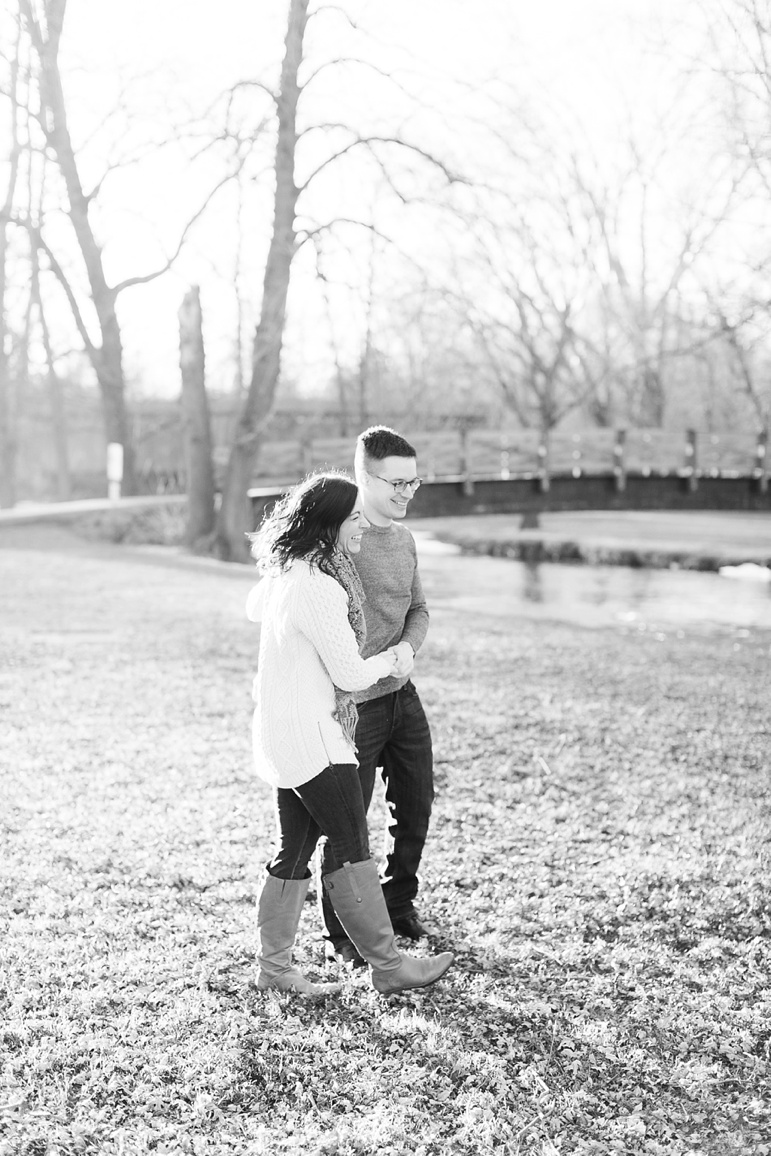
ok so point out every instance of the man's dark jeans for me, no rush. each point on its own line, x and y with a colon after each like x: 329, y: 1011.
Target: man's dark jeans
x: 393, y: 733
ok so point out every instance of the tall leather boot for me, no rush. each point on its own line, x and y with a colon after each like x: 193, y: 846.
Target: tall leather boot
x: 357, y: 897
x: 278, y: 917
x: 337, y: 946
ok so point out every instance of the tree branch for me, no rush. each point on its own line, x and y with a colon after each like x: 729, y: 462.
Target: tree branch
x: 340, y: 12
x: 363, y: 64
x: 37, y: 239
x: 129, y: 282
x: 368, y: 141
x: 250, y: 84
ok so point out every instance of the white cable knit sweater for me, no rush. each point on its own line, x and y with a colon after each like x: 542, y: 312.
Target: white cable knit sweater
x: 307, y: 647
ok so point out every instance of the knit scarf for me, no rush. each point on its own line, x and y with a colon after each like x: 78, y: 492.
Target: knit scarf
x: 341, y: 568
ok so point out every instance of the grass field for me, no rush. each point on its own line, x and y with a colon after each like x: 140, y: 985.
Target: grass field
x: 599, y: 860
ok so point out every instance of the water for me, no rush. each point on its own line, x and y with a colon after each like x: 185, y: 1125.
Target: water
x: 655, y: 600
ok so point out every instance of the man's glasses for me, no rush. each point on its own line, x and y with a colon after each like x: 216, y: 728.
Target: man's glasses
x: 400, y: 487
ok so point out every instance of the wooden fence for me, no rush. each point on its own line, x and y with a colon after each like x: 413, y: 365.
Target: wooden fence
x: 490, y: 454
x: 479, y: 454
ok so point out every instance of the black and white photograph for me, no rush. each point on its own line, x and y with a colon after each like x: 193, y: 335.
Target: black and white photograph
x: 385, y: 578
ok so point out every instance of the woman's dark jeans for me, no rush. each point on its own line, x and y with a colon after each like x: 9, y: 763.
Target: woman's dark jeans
x: 331, y: 804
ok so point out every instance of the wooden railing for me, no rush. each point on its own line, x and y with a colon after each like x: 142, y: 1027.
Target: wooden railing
x: 478, y: 454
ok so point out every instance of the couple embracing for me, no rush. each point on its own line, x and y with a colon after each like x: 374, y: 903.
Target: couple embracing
x: 342, y: 615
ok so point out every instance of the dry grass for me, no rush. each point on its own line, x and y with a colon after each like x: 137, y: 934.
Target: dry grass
x: 599, y: 859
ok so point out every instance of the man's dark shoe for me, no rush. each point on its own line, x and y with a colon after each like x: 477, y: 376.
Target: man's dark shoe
x: 343, y: 952
x: 409, y: 926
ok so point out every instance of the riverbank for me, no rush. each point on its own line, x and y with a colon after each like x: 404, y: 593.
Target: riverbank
x: 698, y: 540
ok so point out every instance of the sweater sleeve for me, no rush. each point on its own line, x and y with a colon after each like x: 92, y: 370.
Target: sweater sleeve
x: 255, y: 602
x: 416, y: 618
x: 322, y: 616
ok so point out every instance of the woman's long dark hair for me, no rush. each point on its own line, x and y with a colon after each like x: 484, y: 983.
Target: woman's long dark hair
x: 305, y: 522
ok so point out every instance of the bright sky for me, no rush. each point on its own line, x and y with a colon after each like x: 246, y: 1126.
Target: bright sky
x: 176, y: 56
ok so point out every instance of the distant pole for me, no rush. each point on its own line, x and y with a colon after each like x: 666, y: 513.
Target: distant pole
x: 505, y: 458
x: 714, y: 441
x: 114, y: 470
x: 619, y: 464
x: 543, y: 463
x: 305, y: 447
x: 576, y: 455
x: 465, y: 460
x: 646, y: 455
x: 691, y: 459
x: 761, y: 461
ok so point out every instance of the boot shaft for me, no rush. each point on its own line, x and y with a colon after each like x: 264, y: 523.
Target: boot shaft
x: 356, y: 895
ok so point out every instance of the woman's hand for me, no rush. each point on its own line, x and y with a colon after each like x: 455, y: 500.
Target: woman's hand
x: 405, y: 658
x: 393, y: 657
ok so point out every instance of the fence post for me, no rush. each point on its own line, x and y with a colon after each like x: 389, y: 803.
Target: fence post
x: 619, y: 465
x: 691, y: 459
x: 576, y: 456
x: 465, y: 461
x: 761, y: 461
x: 543, y: 463
x: 505, y: 458
x: 306, y: 454
x: 114, y: 470
x: 646, y: 468
x: 714, y: 456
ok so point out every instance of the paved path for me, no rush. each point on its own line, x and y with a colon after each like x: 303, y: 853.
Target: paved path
x: 29, y: 513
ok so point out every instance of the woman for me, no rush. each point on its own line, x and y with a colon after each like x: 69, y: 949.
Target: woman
x: 309, y: 604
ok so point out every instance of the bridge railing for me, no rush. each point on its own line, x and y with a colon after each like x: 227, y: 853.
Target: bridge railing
x: 526, y: 454
x: 479, y: 453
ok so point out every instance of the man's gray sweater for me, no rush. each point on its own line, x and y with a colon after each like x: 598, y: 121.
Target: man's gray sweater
x: 395, y: 608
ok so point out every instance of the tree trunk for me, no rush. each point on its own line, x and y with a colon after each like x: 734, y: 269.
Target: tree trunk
x: 107, y: 360
x: 56, y: 401
x: 652, y: 399
x: 58, y: 409
x: 234, y: 520
x: 196, y: 424
x: 7, y: 431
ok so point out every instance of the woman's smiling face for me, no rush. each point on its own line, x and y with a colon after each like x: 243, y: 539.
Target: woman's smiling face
x: 351, y: 530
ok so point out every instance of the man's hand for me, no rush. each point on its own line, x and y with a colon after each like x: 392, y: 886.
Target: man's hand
x: 405, y: 659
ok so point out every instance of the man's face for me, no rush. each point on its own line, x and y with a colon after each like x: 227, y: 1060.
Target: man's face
x: 381, y: 500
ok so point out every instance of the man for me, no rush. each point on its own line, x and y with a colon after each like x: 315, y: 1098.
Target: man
x: 392, y: 731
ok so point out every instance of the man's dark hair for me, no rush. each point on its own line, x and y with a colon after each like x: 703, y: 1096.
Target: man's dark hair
x: 380, y: 441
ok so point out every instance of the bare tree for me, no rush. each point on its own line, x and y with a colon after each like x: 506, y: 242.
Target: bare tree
x: 641, y: 306
x: 105, y: 355
x: 7, y: 435
x: 524, y: 288
x: 196, y: 425
x: 739, y: 62
x: 234, y: 518
x: 743, y: 335
x: 740, y: 34
x: 56, y: 398
x: 105, y: 352
x: 235, y: 514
